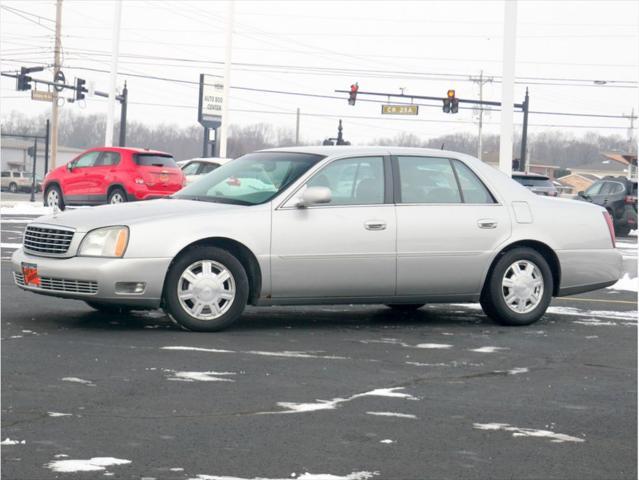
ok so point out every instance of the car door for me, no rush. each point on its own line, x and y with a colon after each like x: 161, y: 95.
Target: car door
x: 75, y: 182
x: 448, y: 226
x: 345, y: 248
x: 99, y: 176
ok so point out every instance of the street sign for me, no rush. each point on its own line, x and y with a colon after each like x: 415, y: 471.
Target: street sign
x: 210, y: 102
x: 400, y: 109
x: 42, y: 96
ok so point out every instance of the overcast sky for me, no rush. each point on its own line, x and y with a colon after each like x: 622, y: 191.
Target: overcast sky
x: 425, y: 47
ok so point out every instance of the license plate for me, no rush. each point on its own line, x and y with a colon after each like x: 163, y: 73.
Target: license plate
x: 30, y: 274
x: 164, y: 178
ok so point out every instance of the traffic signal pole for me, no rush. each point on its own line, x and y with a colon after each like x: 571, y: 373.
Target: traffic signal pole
x: 123, y: 106
x: 115, y: 52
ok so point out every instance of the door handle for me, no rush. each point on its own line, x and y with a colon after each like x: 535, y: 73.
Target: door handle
x: 375, y: 225
x: 487, y: 223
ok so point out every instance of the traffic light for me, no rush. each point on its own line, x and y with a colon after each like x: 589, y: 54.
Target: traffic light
x: 353, y: 95
x: 23, y: 81
x: 451, y: 104
x: 79, y: 88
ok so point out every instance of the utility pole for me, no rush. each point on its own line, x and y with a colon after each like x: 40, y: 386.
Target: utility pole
x: 227, y: 77
x: 56, y: 69
x: 115, y: 52
x: 123, y: 107
x: 508, y: 86
x: 481, y: 81
x: 297, y: 127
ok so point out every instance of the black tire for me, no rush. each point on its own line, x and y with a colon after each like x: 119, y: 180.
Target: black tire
x: 179, y: 314
x: 116, y: 195
x: 493, y: 301
x: 405, y: 307
x: 54, y: 188
x: 109, y: 308
x: 13, y: 188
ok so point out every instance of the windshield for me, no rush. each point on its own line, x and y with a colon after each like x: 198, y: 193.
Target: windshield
x: 251, y: 179
x: 151, y: 160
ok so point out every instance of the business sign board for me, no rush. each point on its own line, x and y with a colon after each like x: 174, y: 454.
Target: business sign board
x: 211, y: 101
x: 42, y: 96
x: 400, y: 109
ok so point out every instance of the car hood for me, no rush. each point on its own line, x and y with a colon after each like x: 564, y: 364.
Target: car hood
x: 89, y: 218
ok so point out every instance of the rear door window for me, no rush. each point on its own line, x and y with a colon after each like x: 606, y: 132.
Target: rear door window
x: 191, y: 169
x: 473, y: 190
x: 427, y: 180
x: 594, y: 189
x: 151, y: 160
x: 208, y: 167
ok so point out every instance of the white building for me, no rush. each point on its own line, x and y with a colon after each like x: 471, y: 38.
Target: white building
x: 14, y: 155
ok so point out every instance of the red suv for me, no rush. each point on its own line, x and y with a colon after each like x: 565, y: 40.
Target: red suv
x: 113, y: 175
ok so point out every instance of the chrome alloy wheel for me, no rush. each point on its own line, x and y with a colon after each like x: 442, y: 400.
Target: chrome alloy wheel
x: 117, y: 198
x: 53, y: 198
x: 522, y: 286
x: 206, y: 289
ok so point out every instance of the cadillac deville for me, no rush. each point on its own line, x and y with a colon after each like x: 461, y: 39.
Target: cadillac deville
x: 400, y: 227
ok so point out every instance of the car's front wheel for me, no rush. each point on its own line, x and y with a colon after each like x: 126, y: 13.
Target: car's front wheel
x: 519, y: 288
x: 206, y: 289
x: 53, y: 196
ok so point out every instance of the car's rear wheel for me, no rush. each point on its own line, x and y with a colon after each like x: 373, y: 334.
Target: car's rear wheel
x: 519, y: 289
x: 108, y: 307
x: 117, y: 195
x: 206, y: 289
x: 53, y: 196
x: 13, y: 188
x: 405, y: 307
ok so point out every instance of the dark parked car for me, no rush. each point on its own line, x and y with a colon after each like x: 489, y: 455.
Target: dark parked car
x: 618, y: 195
x: 539, y: 184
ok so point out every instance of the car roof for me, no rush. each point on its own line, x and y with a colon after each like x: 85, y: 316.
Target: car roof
x: 328, y: 150
x: 219, y: 160
x: 132, y: 150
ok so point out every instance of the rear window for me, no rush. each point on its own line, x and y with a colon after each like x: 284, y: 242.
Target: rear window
x: 534, y: 181
x: 150, y: 160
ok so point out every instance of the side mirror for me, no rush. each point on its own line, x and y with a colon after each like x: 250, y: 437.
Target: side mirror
x: 314, y: 196
x: 582, y: 194
x: 70, y: 166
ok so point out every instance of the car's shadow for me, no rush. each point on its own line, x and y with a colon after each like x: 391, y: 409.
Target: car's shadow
x: 276, y: 318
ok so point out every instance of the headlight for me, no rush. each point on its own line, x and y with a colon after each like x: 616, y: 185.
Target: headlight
x: 105, y: 242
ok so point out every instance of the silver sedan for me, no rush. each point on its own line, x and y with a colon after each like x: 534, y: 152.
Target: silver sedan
x: 325, y: 225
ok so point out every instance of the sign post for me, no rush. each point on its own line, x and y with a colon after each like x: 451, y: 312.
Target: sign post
x: 209, y: 112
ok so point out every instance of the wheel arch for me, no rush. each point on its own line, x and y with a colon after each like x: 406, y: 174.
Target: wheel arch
x: 52, y: 183
x: 543, y: 249
x: 240, y: 251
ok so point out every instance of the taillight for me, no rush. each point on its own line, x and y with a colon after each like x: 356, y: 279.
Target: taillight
x: 611, y: 228
x: 628, y: 200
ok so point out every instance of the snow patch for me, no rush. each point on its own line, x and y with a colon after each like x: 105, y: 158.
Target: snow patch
x: 285, y: 354
x: 24, y: 208
x: 488, y: 349
x: 387, y: 440
x: 10, y: 245
x: 528, y: 432
x: 291, y: 407
x: 626, y: 283
x: 58, y: 414
x: 199, y: 376
x: 304, y: 476
x: 392, y: 414
x: 626, y: 315
x: 78, y: 380
x: 394, y: 341
x: 8, y: 441
x: 90, y: 465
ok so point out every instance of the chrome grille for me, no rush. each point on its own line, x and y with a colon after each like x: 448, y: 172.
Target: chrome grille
x: 46, y: 240
x: 61, y: 284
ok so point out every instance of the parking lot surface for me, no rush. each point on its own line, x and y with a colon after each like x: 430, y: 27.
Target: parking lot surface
x: 350, y: 391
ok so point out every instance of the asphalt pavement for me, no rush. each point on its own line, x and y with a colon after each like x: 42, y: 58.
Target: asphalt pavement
x: 350, y: 391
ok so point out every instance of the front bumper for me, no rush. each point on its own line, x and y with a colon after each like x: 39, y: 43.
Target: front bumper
x: 94, y: 279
